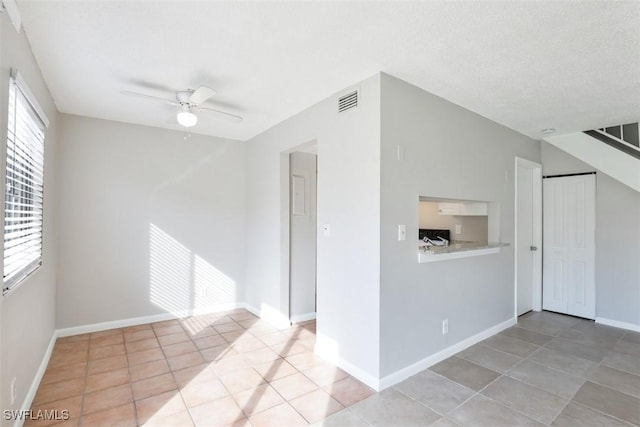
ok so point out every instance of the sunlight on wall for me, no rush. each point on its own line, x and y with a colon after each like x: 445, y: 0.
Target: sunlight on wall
x: 169, y: 272
x: 210, y: 284
x: 183, y: 283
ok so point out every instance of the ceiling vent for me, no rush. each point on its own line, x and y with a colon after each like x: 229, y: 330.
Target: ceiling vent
x: 348, y: 101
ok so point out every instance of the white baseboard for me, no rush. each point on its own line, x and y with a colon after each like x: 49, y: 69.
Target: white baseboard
x: 303, y: 317
x: 133, y: 321
x: 123, y: 323
x: 618, y: 324
x: 35, y: 384
x: 428, y: 361
x: 249, y: 308
x: 327, y: 349
x: 268, y: 314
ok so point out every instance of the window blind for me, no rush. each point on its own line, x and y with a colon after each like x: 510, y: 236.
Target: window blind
x: 23, y: 214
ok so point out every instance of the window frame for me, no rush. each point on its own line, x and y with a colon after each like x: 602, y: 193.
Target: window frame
x: 36, y: 113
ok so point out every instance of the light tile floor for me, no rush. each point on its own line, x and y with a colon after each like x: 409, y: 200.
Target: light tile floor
x: 550, y: 369
x: 214, y: 370
x: 232, y: 369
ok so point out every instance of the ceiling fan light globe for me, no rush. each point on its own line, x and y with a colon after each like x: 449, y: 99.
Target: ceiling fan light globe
x: 187, y: 119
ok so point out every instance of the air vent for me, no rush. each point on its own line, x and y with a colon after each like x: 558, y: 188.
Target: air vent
x: 348, y: 101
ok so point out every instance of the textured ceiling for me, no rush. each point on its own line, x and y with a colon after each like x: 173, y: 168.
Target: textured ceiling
x: 526, y: 65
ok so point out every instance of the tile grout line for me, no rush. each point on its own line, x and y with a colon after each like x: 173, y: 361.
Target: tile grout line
x: 603, y: 413
x: 130, y: 382
x: 479, y: 392
x: 568, y: 400
x: 556, y: 370
x: 84, y: 387
x: 86, y: 377
x: 166, y: 359
x: 280, y: 394
x: 268, y: 382
x: 228, y: 344
x: 302, y: 373
x: 171, y: 371
x: 509, y: 406
x: 506, y: 352
x: 509, y: 338
x: 229, y: 394
x: 598, y: 364
x: 417, y: 401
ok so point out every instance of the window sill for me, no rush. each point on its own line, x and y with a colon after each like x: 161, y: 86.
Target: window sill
x: 8, y: 291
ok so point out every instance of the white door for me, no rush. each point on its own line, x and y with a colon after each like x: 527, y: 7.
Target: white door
x: 525, y: 240
x: 569, y: 245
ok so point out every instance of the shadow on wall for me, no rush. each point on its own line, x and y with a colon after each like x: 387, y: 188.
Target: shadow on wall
x: 180, y: 281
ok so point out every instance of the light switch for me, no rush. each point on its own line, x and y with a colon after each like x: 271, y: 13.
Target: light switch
x: 402, y: 232
x: 326, y: 230
x: 458, y: 228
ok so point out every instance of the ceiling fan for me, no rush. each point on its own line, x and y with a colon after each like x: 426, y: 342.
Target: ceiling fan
x: 189, y: 102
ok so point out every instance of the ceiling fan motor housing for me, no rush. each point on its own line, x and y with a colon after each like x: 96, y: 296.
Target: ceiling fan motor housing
x: 183, y: 97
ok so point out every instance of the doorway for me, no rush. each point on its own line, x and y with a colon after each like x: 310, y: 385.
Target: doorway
x: 569, y: 244
x: 302, y: 234
x: 528, y: 236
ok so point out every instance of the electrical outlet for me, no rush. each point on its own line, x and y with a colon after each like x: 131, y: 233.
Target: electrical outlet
x: 458, y: 228
x: 445, y: 326
x: 13, y: 390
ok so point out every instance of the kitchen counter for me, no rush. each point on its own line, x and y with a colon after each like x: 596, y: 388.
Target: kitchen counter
x: 458, y: 249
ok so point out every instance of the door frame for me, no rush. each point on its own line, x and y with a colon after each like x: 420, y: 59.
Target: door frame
x: 537, y: 233
x: 285, y: 226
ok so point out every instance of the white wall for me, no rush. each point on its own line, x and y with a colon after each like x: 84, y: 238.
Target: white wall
x: 28, y: 313
x: 617, y: 238
x: 150, y: 223
x: 452, y: 153
x: 348, y: 200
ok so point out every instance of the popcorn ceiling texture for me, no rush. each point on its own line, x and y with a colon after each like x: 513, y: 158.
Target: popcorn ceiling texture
x: 566, y: 65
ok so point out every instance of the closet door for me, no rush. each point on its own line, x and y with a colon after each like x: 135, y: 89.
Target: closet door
x: 569, y: 245
x: 555, y: 251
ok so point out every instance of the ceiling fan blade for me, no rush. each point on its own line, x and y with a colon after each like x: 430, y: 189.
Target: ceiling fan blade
x: 229, y: 116
x: 201, y: 94
x: 150, y: 97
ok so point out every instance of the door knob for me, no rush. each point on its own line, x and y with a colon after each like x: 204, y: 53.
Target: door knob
x: 533, y: 248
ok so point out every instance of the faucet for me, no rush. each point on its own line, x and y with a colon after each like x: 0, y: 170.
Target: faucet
x: 446, y: 242
x: 428, y: 240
